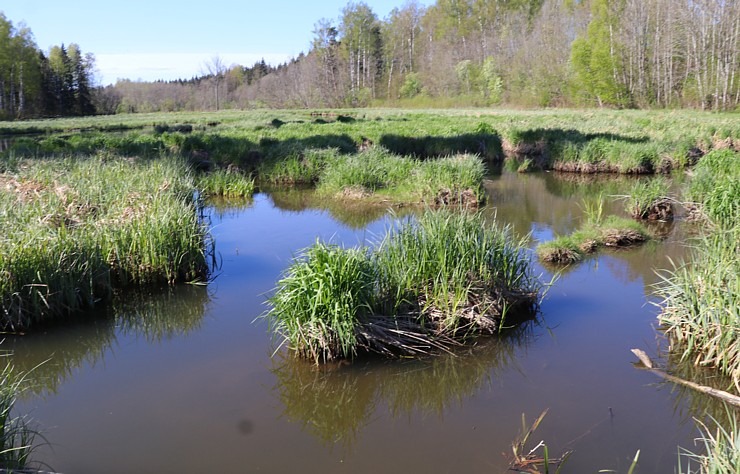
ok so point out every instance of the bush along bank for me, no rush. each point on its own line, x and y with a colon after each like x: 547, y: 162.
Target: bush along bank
x: 431, y: 284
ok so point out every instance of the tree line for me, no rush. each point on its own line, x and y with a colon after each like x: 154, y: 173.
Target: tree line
x: 531, y: 53
x: 37, y: 84
x: 606, y: 53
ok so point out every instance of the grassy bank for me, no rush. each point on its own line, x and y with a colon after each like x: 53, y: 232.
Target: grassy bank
x: 427, y: 286
x: 76, y: 228
x: 701, y: 297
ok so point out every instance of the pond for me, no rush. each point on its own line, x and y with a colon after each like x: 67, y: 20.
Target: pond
x: 189, y: 380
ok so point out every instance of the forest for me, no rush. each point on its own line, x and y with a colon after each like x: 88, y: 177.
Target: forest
x: 522, y: 53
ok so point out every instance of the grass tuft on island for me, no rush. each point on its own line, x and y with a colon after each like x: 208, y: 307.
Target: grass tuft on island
x: 611, y: 232
x: 429, y: 285
x: 76, y: 228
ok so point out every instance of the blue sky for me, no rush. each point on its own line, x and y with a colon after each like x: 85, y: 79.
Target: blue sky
x: 166, y: 39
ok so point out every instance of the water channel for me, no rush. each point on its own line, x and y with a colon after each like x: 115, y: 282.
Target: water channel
x: 189, y: 380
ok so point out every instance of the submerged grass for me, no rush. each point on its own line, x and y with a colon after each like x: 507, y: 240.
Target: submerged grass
x: 428, y: 285
x: 74, y: 229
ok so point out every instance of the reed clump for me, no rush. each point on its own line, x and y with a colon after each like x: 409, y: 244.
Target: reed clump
x: 16, y: 434
x: 650, y: 200
x: 721, y: 446
x: 226, y: 183
x: 429, y: 285
x: 75, y: 229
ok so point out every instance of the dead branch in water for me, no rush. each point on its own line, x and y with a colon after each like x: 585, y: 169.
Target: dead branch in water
x: 722, y: 395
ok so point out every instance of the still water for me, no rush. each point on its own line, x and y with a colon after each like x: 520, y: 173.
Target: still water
x: 189, y: 380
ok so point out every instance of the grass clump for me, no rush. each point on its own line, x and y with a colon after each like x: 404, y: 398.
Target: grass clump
x: 649, y: 200
x: 298, y: 166
x: 75, y: 229
x: 321, y: 299
x: 716, y: 186
x: 701, y: 304
x: 376, y: 174
x: 226, y: 183
x: 429, y: 285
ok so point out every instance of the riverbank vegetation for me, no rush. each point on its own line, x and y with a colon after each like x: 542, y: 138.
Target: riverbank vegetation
x: 17, y: 437
x: 76, y: 228
x: 428, y: 286
x: 701, y: 297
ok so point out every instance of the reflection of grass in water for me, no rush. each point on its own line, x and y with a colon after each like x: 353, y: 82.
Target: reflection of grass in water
x: 352, y: 213
x: 173, y: 313
x: 155, y: 317
x: 335, y: 402
x: 334, y: 405
x: 433, y: 385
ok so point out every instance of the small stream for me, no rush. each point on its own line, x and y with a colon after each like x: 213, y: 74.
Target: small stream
x: 189, y: 380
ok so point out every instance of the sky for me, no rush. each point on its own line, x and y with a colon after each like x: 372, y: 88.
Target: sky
x: 165, y: 39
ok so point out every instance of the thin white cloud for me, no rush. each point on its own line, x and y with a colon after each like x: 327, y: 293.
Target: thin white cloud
x: 169, y: 66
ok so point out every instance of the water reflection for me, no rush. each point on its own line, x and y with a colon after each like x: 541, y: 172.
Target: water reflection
x: 336, y: 402
x: 52, y: 357
x: 353, y: 214
x: 690, y: 403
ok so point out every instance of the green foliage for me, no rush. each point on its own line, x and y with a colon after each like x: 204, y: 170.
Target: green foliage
x: 597, y: 232
x: 447, y: 261
x: 377, y: 173
x: 721, y: 448
x: 412, y: 86
x: 716, y: 185
x: 646, y: 197
x: 593, y: 58
x: 320, y: 300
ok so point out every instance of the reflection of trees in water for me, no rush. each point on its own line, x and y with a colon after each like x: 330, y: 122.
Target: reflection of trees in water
x: 53, y: 356
x: 355, y: 214
x: 334, y: 403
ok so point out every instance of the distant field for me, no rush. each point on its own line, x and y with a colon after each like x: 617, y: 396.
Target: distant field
x: 586, y: 141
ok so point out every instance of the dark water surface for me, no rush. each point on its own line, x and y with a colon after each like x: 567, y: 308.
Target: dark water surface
x: 186, y: 381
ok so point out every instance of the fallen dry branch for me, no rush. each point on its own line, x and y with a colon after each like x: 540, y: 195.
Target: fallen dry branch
x: 722, y: 395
